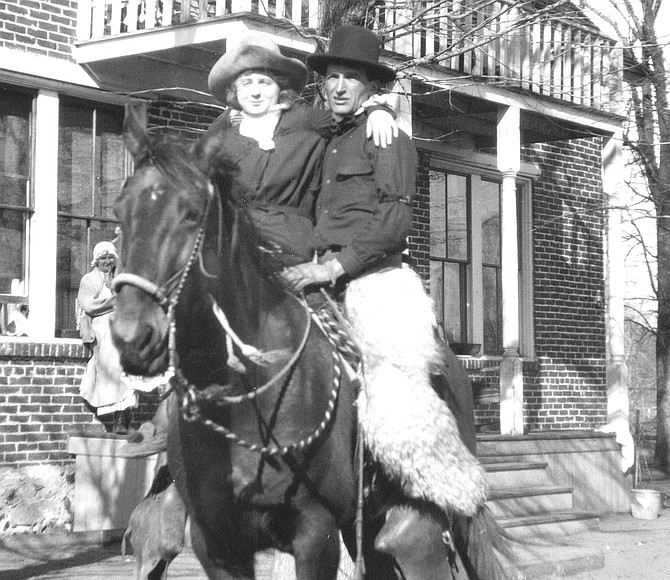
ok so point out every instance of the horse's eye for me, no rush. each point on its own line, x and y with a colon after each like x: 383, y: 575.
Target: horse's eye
x: 192, y: 216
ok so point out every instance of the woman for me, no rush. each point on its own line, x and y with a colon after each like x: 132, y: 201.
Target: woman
x: 101, y: 386
x: 277, y: 140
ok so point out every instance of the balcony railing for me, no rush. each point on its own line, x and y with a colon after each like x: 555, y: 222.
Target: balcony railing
x: 558, y: 55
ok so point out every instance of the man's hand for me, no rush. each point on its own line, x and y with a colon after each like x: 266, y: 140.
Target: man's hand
x: 382, y: 127
x: 298, y: 277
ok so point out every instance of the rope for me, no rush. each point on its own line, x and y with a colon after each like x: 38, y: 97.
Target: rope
x: 233, y: 399
x: 191, y: 412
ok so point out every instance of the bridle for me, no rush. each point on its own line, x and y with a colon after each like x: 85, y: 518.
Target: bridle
x: 167, y: 296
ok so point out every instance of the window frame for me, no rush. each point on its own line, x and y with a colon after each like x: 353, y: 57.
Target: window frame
x: 62, y: 323
x: 11, y: 301
x: 474, y: 317
x: 41, y: 242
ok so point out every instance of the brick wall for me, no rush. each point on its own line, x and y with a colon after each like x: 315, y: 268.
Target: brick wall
x: 40, y: 404
x: 565, y: 388
x: 187, y: 119
x: 419, y: 242
x: 46, y: 28
x: 569, y: 389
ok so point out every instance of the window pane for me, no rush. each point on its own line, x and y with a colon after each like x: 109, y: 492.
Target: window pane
x: 489, y: 200
x: 438, y: 218
x: 15, y: 111
x: 454, y: 326
x: 492, y: 308
x: 13, y: 190
x: 75, y: 160
x: 12, y: 250
x: 457, y: 217
x: 437, y: 290
x: 110, y: 161
x: 71, y: 266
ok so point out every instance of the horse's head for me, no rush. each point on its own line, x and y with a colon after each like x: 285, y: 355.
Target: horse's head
x: 162, y: 211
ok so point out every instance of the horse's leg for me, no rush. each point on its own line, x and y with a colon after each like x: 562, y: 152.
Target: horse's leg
x: 316, y: 546
x: 215, y: 570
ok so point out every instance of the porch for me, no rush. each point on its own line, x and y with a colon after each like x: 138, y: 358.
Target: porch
x: 550, y: 52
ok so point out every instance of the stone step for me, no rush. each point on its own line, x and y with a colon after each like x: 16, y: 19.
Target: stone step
x: 511, y: 475
x: 550, y: 524
x: 529, y: 500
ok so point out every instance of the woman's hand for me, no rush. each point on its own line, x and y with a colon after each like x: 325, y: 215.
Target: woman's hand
x: 382, y: 127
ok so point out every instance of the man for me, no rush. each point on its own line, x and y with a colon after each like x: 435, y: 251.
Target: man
x: 363, y: 219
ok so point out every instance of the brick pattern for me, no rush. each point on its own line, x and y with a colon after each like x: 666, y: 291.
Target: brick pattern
x: 569, y: 293
x: 40, y: 404
x: 42, y: 27
x: 185, y: 119
x: 419, y: 242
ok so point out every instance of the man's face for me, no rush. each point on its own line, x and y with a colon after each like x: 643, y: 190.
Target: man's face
x: 347, y: 88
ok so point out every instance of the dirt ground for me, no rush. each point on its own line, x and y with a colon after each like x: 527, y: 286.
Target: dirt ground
x: 622, y: 547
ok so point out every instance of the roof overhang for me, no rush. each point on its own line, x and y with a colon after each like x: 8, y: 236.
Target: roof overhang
x: 449, y: 107
x: 175, y: 61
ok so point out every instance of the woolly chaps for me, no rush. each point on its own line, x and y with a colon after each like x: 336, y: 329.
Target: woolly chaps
x: 407, y: 427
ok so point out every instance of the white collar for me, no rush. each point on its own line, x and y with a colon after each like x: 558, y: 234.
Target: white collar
x: 262, y: 129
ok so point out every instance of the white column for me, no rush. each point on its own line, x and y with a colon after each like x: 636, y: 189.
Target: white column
x: 511, y: 372
x: 43, y: 224
x: 618, y: 408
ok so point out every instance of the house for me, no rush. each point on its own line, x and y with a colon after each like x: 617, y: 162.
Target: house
x: 515, y: 231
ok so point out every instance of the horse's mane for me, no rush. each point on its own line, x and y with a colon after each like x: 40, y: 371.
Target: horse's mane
x: 175, y: 157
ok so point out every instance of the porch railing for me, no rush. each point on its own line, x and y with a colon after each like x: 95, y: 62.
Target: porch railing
x: 561, y: 56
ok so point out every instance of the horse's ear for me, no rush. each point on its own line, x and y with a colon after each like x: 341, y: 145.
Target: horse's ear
x: 207, y: 149
x: 134, y: 136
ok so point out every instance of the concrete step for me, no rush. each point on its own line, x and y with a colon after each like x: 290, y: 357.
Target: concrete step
x: 550, y: 524
x: 512, y: 475
x: 529, y: 500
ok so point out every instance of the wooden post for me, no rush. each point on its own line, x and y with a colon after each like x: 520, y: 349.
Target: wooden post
x: 618, y: 406
x: 511, y: 375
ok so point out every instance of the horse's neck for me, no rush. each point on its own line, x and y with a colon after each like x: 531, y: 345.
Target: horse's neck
x: 242, y: 288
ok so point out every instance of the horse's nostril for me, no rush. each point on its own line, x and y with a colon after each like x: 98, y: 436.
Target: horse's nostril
x: 144, y: 338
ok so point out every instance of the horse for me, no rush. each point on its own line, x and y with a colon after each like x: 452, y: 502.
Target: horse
x: 263, y: 441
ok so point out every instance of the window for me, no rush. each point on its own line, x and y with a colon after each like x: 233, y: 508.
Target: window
x: 488, y: 226
x: 466, y: 258
x: 91, y: 170
x: 450, y: 252
x: 15, y: 202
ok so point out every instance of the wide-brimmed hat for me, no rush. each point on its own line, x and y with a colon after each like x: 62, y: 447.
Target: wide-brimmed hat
x: 255, y: 51
x: 356, y: 46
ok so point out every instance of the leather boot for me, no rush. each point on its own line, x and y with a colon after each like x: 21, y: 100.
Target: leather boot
x: 416, y: 543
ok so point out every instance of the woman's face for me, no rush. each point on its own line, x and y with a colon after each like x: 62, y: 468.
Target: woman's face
x: 106, y: 263
x: 256, y: 93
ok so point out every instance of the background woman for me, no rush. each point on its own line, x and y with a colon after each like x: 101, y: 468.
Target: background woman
x: 102, y: 387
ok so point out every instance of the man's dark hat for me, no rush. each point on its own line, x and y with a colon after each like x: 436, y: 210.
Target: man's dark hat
x: 356, y: 46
